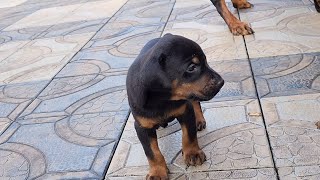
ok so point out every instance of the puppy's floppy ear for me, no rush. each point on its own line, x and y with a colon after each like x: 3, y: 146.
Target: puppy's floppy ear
x: 162, y: 60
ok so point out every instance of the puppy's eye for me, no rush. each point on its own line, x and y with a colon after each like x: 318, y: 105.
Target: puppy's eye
x: 191, y: 68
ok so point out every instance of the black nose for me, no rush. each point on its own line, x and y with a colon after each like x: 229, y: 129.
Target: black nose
x: 220, y: 83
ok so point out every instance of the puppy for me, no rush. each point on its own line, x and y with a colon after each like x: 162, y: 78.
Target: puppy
x: 166, y: 81
x: 236, y: 26
x: 317, y: 5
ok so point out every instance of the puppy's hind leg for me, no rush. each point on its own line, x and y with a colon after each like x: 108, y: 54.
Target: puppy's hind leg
x: 148, y: 138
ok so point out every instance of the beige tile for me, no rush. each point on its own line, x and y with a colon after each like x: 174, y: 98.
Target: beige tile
x: 4, y: 123
x: 94, y: 10
x: 9, y: 48
x: 234, y: 139
x: 283, y: 32
x: 11, y: 3
x: 292, y: 128
x: 300, y: 172
x: 43, y: 17
x: 70, y: 13
x: 41, y: 59
x: 214, y: 38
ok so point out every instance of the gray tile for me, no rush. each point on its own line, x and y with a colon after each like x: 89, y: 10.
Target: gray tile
x: 238, y: 80
x: 263, y: 5
x: 292, y: 129
x: 80, y: 95
x: 282, y: 31
x: 43, y: 138
x: 287, y: 75
x: 234, y: 139
x: 14, y: 98
x: 300, y: 172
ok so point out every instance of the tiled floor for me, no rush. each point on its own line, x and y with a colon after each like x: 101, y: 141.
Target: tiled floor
x: 63, y: 105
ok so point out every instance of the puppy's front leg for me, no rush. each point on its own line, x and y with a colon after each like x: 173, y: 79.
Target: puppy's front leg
x: 192, y: 153
x: 148, y: 138
x: 200, y: 121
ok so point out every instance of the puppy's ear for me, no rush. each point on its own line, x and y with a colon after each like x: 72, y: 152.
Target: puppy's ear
x: 168, y: 34
x: 162, y: 60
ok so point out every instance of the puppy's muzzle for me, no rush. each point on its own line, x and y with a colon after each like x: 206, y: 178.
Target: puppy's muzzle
x: 212, y: 88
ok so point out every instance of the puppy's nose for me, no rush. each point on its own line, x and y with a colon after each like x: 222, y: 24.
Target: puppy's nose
x: 220, y: 83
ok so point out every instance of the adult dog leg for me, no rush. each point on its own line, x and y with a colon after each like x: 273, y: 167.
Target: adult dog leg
x: 236, y: 26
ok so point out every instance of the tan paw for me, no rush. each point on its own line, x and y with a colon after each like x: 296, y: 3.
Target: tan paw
x: 242, y: 4
x: 195, y: 157
x: 240, y: 28
x: 158, y: 173
x: 201, y: 124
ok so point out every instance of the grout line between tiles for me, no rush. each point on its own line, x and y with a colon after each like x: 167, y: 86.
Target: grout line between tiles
x: 259, y: 102
x: 122, y: 131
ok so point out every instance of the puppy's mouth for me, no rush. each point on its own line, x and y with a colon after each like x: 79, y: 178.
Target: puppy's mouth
x: 208, y: 92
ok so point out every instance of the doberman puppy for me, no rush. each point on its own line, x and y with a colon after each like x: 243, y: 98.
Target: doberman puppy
x: 317, y: 5
x: 236, y: 26
x: 167, y: 81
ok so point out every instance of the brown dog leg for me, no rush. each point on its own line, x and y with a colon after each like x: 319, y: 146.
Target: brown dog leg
x: 148, y: 138
x: 241, y: 4
x: 192, y: 153
x: 236, y: 27
x: 200, y: 121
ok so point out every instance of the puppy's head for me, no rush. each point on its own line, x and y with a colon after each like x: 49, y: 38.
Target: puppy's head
x: 186, y: 67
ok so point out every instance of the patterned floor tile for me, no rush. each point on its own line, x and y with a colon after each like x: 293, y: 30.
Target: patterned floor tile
x: 191, y: 10
x: 70, y: 13
x: 294, y: 136
x: 80, y: 95
x: 14, y: 98
x: 300, y: 172
x: 214, y: 38
x: 42, y: 58
x: 124, y: 39
x: 287, y: 75
x: 234, y: 140
x: 145, y: 12
x: 283, y: 32
x: 264, y: 5
x: 7, y: 49
x: 49, y: 148
x: 261, y: 174
x: 238, y: 80
x: 12, y: 3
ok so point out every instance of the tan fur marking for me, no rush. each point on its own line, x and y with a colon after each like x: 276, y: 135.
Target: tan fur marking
x: 157, y: 165
x: 197, y: 111
x: 177, y: 112
x: 148, y: 123
x: 182, y: 91
x: 241, y: 4
x: 188, y: 146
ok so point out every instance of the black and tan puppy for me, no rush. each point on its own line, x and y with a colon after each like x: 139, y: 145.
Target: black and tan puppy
x: 166, y: 81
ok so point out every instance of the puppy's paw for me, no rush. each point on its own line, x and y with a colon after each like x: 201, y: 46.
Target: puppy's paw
x: 242, y: 4
x: 158, y: 173
x: 151, y: 177
x: 193, y: 158
x: 240, y: 28
x: 201, y: 124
